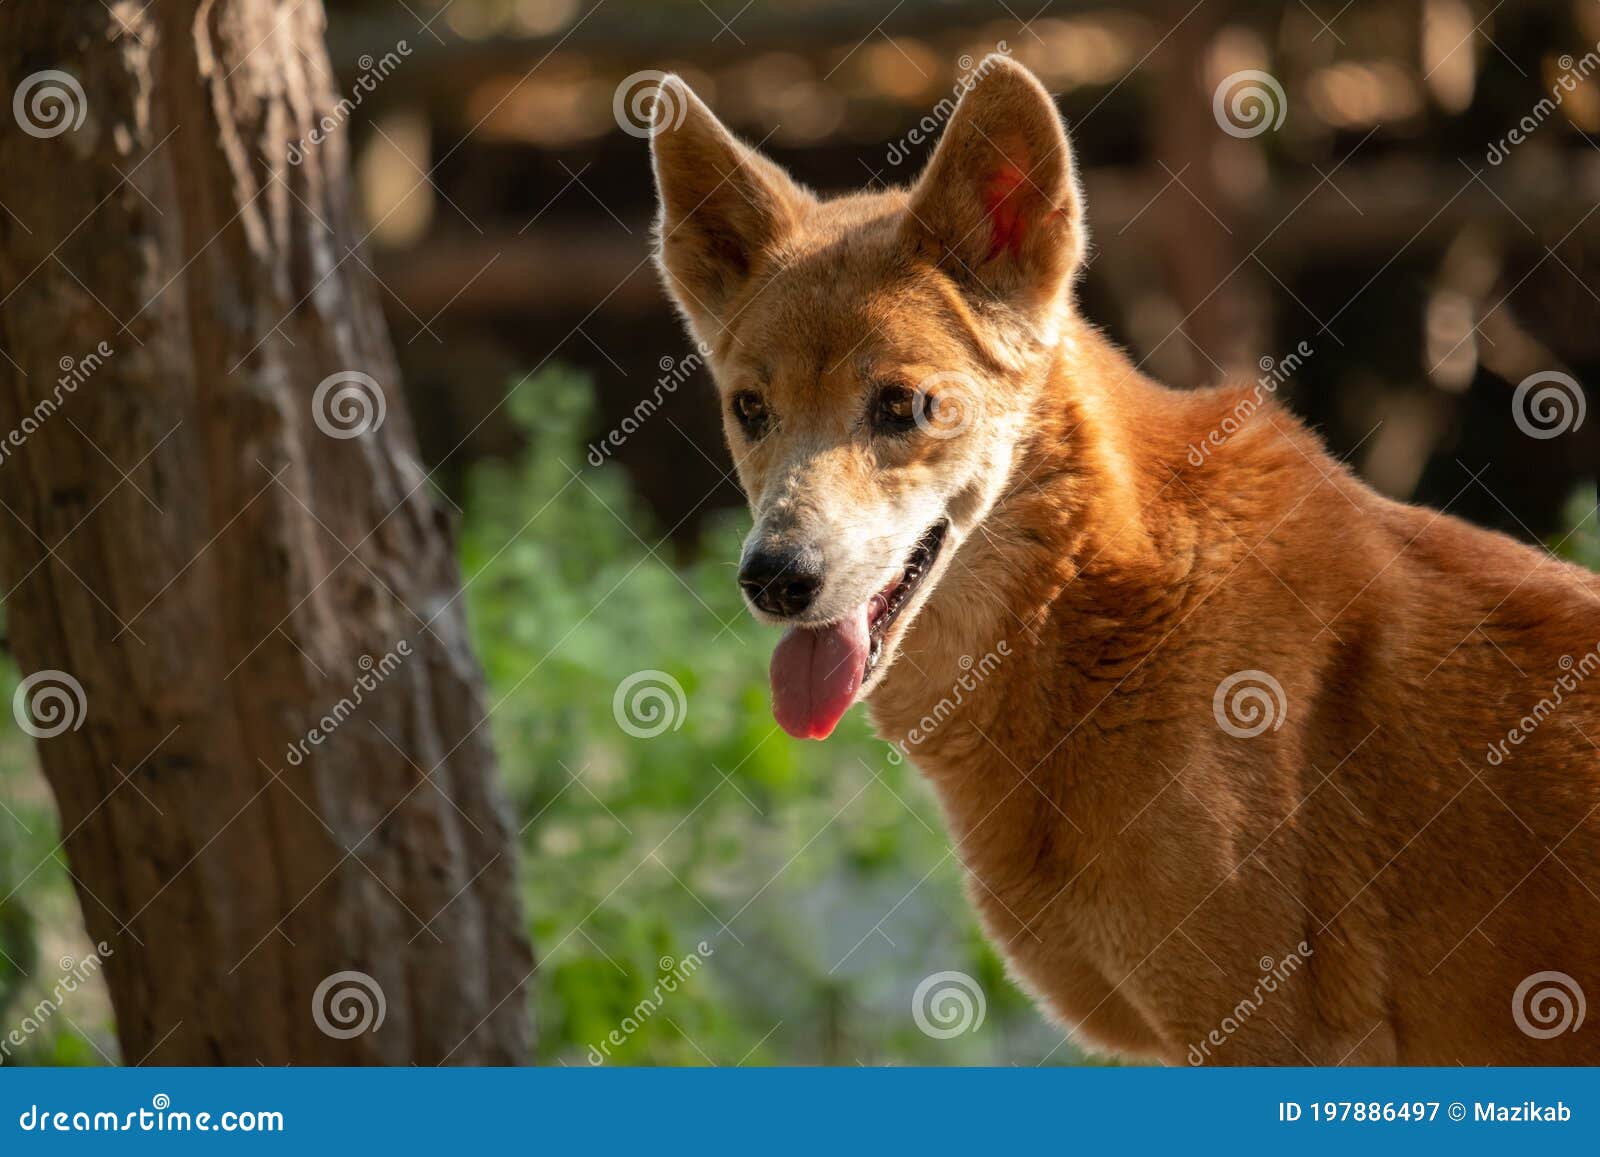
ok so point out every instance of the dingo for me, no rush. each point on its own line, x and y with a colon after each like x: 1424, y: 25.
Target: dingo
x: 1260, y: 766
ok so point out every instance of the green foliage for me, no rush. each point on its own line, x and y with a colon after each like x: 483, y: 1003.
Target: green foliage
x: 39, y: 920
x: 783, y: 857
x: 1581, y: 544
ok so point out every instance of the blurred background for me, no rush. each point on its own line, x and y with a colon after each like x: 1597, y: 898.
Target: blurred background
x: 1412, y: 197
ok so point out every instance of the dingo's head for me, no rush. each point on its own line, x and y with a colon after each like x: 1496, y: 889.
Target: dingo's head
x: 876, y: 356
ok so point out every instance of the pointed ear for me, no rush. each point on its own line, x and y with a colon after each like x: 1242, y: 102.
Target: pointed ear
x: 998, y: 205
x: 724, y: 208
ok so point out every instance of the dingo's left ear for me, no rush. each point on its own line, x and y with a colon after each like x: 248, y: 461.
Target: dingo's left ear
x: 999, y: 203
x: 724, y: 207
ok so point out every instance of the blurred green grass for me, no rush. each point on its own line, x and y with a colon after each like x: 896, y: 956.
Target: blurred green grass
x: 783, y: 856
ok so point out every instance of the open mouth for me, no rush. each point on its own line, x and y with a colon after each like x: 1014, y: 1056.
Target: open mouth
x: 817, y: 672
x: 886, y: 605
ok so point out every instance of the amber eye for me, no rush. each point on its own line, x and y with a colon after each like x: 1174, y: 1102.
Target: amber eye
x: 751, y: 411
x: 896, y: 408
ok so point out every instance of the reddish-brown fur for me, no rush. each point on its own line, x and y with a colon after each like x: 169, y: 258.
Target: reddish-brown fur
x: 1140, y: 866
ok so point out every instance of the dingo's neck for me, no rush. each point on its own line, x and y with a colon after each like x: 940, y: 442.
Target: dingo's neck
x: 1091, y: 534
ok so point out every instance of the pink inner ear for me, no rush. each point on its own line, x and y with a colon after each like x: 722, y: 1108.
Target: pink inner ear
x: 1003, y: 203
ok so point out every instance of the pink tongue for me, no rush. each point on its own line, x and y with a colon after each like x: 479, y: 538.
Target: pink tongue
x: 816, y: 673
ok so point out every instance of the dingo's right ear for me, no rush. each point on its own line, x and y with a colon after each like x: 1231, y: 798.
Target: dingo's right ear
x: 724, y: 207
x: 998, y: 203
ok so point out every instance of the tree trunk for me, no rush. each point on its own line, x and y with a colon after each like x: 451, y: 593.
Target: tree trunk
x: 278, y: 770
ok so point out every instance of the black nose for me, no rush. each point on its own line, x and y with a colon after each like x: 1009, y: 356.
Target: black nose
x: 782, y: 580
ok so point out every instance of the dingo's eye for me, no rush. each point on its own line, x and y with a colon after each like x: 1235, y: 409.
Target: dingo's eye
x: 897, y: 408
x: 752, y: 413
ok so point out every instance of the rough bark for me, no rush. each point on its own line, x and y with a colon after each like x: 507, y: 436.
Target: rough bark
x: 182, y: 537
